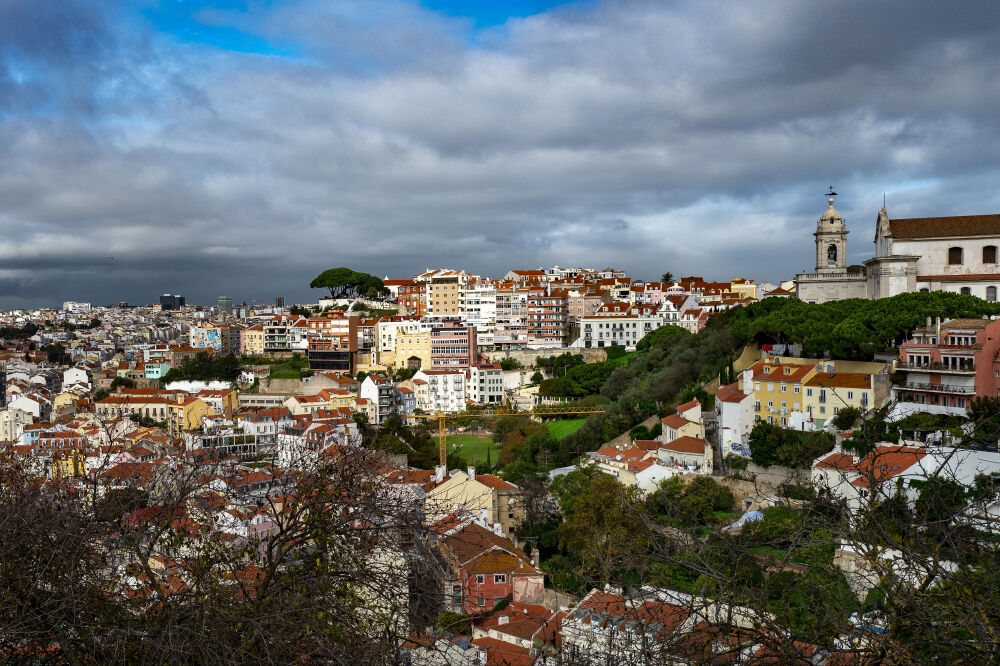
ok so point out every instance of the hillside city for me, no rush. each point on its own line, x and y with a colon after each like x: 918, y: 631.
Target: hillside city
x: 552, y: 466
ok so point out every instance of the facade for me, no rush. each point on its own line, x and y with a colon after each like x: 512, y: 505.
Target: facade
x: 333, y: 342
x: 221, y: 338
x: 624, y: 324
x: 546, y: 318
x: 778, y: 392
x: 734, y: 404
x: 485, y: 385
x: 453, y: 346
x: 945, y: 365
x: 826, y: 393
x: 445, y: 390
x: 252, y: 340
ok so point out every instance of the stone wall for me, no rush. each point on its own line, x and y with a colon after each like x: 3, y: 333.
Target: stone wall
x: 268, y: 385
x: 527, y: 357
x: 776, y: 475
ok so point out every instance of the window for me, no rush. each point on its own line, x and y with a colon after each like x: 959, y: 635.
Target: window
x: 795, y: 389
x: 500, y: 578
x: 850, y: 395
x: 990, y: 254
x: 756, y: 386
x: 831, y: 254
x: 954, y: 256
x: 770, y: 403
x: 784, y: 404
x: 784, y: 388
x: 809, y: 392
x: 456, y: 593
x: 770, y: 386
x: 966, y: 291
x: 991, y: 293
x: 481, y: 578
x: 756, y: 405
x: 480, y: 601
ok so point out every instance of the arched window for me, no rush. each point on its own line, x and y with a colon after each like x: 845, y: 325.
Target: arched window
x: 991, y: 293
x: 966, y: 290
x: 990, y: 254
x: 831, y: 254
x: 924, y: 290
x: 954, y: 256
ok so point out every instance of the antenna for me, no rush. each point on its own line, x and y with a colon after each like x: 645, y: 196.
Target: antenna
x: 831, y: 193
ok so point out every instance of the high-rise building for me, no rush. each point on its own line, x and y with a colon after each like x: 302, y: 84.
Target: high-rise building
x: 279, y: 302
x: 171, y: 302
x: 226, y: 304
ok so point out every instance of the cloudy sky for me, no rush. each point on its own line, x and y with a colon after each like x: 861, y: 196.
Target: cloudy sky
x: 241, y: 146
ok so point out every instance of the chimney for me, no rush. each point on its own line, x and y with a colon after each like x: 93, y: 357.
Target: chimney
x: 746, y: 382
x: 937, y: 330
x: 471, y: 471
x: 928, y: 321
x: 439, y: 472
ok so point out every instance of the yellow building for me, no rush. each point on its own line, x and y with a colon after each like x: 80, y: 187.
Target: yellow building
x: 413, y: 346
x: 341, y: 398
x: 778, y: 389
x: 252, y: 341
x: 827, y: 393
x: 744, y: 287
x: 72, y: 466
x: 187, y: 414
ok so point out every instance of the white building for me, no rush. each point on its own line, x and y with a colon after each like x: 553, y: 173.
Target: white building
x: 75, y: 306
x: 445, y: 390
x: 624, y: 324
x: 956, y: 253
x: 734, y: 404
x: 485, y: 384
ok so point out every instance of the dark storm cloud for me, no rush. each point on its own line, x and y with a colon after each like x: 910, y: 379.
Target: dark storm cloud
x: 692, y: 137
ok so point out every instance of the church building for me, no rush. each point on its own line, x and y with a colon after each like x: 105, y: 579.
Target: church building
x: 911, y: 254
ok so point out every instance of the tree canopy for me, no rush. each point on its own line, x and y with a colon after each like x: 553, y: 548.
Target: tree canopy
x: 346, y: 283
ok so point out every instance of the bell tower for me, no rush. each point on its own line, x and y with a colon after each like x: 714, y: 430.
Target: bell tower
x: 831, y: 240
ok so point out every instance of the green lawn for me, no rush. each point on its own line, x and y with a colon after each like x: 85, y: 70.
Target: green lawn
x: 559, y: 429
x: 473, y: 448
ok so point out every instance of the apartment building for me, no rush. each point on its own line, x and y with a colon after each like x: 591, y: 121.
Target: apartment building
x: 479, y: 308
x: 946, y: 364
x: 284, y: 333
x: 445, y: 389
x: 333, y: 342
x: 779, y: 395
x: 826, y: 393
x: 621, y: 323
x: 485, y: 384
x: 453, y: 345
x: 511, y: 327
x: 546, y: 318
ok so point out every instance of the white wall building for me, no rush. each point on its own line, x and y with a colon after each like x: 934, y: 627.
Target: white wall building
x: 445, y: 389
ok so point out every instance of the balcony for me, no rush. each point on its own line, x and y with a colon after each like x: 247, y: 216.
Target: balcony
x: 939, y: 388
x: 938, y: 367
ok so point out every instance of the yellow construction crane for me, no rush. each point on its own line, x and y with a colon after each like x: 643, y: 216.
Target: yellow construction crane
x: 496, y: 412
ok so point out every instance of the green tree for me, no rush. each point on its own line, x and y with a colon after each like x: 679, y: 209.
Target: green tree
x: 537, y: 377
x: 667, y: 278
x: 605, y: 526
x: 346, y: 283
x: 847, y: 418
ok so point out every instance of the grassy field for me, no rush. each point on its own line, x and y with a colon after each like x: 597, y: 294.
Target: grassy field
x: 560, y: 429
x: 473, y: 448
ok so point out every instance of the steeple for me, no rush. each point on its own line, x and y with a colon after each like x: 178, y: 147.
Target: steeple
x: 831, y: 240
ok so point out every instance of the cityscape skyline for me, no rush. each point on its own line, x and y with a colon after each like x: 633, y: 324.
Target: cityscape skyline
x: 204, y: 148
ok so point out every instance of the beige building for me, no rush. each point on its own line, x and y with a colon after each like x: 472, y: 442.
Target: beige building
x: 828, y: 392
x: 479, y: 494
x: 411, y: 347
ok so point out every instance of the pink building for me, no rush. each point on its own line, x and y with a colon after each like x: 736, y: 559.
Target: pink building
x: 946, y: 364
x: 453, y: 345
